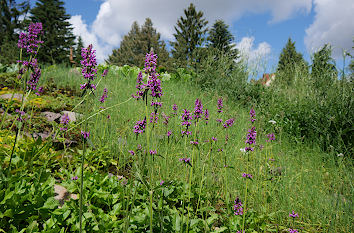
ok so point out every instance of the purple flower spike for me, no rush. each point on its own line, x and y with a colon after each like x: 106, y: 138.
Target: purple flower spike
x: 245, y: 175
x: 85, y: 135
x: 89, y: 65
x: 198, y: 109
x: 194, y: 143
x: 29, y: 41
x: 174, y: 108
x: 206, y: 115
x: 253, y: 115
x: 293, y: 214
x: 271, y: 137
x: 229, y: 123
x: 20, y: 115
x: 220, y: 105
x: 251, y: 139
x: 39, y: 91
x: 105, y: 72
x: 139, y: 127
x: 104, y: 95
x: 65, y: 119
x: 161, y: 183
x: 169, y: 133
x: 186, y: 161
x: 238, y: 209
x: 153, y: 152
x: 293, y: 230
x: 132, y: 152
x: 74, y: 178
x: 154, y: 117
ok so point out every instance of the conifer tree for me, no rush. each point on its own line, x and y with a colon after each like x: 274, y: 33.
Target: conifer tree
x: 58, y: 36
x: 136, y: 44
x: 10, y: 13
x: 290, y: 63
x: 221, y: 38
x: 190, y: 34
x: 77, y: 54
x: 323, y: 68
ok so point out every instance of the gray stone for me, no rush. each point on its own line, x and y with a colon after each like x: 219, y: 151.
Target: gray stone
x: 51, y: 116
x: 8, y: 96
x: 73, y: 116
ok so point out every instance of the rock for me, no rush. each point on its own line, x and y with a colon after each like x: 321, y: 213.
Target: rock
x: 72, y: 115
x: 51, y: 116
x: 9, y: 95
x: 63, y: 194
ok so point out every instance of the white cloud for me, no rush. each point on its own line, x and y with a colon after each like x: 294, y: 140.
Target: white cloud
x: 115, y: 17
x: 256, y: 57
x: 333, y: 24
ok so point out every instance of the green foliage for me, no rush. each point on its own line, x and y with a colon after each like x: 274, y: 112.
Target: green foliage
x: 58, y: 36
x: 137, y: 43
x: 190, y: 33
x: 288, y: 64
x: 77, y: 52
x: 221, y: 38
x: 217, y: 71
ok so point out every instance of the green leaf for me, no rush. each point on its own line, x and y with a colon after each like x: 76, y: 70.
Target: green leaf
x: 51, y: 203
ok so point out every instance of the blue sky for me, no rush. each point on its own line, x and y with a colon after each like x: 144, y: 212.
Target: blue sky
x: 261, y: 27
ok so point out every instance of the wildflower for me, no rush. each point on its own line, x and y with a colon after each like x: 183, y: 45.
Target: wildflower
x: 39, y: 91
x: 35, y: 75
x: 65, y: 119
x: 105, y: 72
x: 271, y: 137
x: 85, y: 135
x: 154, y: 84
x: 140, y: 86
x: 220, y: 105
x: 293, y: 230
x: 253, y: 115
x: 186, y: 133
x: 165, y: 118
x: 214, y: 139
x: 293, y: 215
x: 154, y: 116
x: 206, y: 115
x: 74, y: 178
x: 220, y: 150
x: 340, y: 155
x: 29, y: 41
x: 104, y: 95
x: 198, y: 109
x: 219, y: 120
x: 194, y: 143
x: 140, y: 127
x: 245, y: 175
x: 174, y: 108
x: 161, y: 183
x: 132, y: 152
x: 169, y: 133
x: 229, y: 123
x: 186, y: 161
x: 20, y: 115
x: 153, y: 152
x: 108, y: 117
x: 251, y: 139
x: 139, y: 147
x: 89, y: 69
x: 186, y: 117
x: 272, y: 122
x: 238, y: 209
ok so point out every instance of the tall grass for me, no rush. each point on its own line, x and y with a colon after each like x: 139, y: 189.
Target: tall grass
x: 318, y: 185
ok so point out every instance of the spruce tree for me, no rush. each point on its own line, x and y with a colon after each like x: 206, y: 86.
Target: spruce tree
x: 58, y: 36
x: 323, y: 68
x: 136, y: 44
x: 78, y: 48
x: 222, y: 39
x: 291, y: 63
x: 10, y: 13
x: 190, y: 34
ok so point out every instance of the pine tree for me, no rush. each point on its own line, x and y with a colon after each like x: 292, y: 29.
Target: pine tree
x: 137, y: 43
x: 78, y: 48
x: 190, y: 34
x: 323, y: 68
x: 10, y: 13
x: 58, y: 36
x: 221, y: 38
x: 291, y: 63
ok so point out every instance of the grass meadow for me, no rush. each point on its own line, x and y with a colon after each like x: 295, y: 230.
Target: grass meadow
x: 138, y: 183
